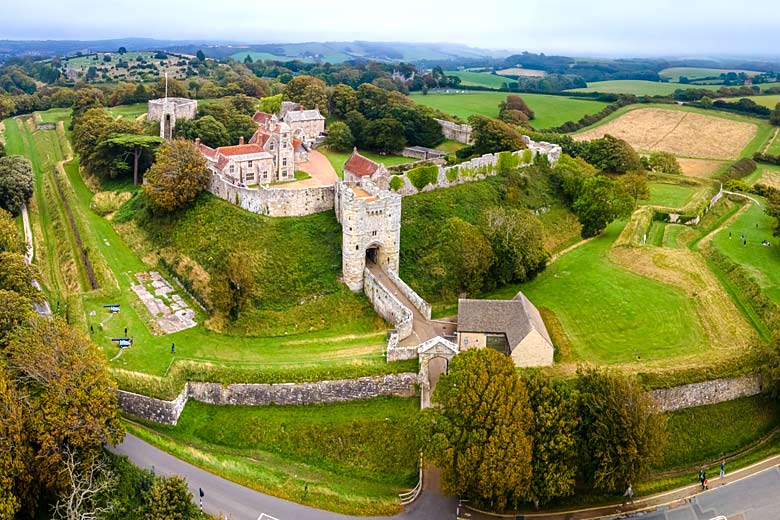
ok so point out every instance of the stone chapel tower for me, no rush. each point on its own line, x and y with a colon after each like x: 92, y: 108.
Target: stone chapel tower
x: 371, y: 229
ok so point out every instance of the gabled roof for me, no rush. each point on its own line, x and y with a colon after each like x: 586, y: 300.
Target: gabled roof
x: 262, y: 118
x: 360, y: 166
x: 222, y: 161
x: 515, y: 318
x: 209, y: 152
x: 294, y: 116
x: 260, y: 137
x: 240, y: 149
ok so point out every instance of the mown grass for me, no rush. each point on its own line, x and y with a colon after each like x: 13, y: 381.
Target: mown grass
x: 337, y: 159
x: 612, y: 316
x: 637, y: 87
x: 354, y: 457
x: 479, y: 79
x: 693, y: 73
x: 669, y: 195
x: 550, y: 110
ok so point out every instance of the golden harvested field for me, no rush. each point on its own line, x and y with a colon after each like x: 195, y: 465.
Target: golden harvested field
x: 702, y: 168
x: 517, y: 71
x: 770, y: 178
x: 685, y: 134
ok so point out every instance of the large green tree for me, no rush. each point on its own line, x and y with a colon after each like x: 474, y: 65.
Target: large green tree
x: 16, y: 183
x: 554, y: 443
x: 517, y: 238
x: 17, y: 275
x: 10, y: 238
x: 178, y: 177
x: 478, y: 435
x: 384, y: 135
x: 169, y: 499
x: 210, y: 131
x: 620, y: 433
x: 600, y: 202
x: 634, y: 184
x: 613, y: 155
x: 491, y: 135
x: 664, y: 162
x: 343, y: 99
x: 309, y: 91
x: 138, y: 147
x: 340, y: 138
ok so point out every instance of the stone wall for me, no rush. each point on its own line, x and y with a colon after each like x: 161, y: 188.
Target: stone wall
x: 707, y: 392
x: 417, y: 300
x: 275, y: 202
x: 151, y: 409
x: 168, y: 412
x: 454, y: 131
x: 387, y: 305
x: 478, y: 169
x: 395, y: 352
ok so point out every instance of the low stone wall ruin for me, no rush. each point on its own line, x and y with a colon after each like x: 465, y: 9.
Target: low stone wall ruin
x: 275, y: 201
x: 387, y: 305
x: 395, y: 352
x: 707, y: 392
x: 168, y: 412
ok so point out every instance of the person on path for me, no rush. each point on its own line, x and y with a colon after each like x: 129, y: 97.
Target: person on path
x: 703, y: 480
x: 125, y: 331
x: 91, y: 329
x: 701, y: 477
x: 722, y: 469
x: 628, y: 495
x: 173, y: 348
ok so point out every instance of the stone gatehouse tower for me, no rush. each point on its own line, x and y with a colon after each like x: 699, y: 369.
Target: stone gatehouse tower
x: 371, y: 229
x: 168, y: 110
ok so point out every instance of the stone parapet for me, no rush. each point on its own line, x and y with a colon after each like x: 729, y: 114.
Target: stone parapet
x: 387, y: 305
x: 707, y: 392
x: 275, y: 201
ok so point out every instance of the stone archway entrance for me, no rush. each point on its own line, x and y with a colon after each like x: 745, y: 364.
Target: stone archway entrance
x: 435, y: 356
x: 436, y: 367
x: 374, y: 253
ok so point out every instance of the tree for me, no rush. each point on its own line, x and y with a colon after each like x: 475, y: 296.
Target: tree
x: 634, y: 184
x: 599, y: 203
x: 664, y: 162
x: 86, y: 483
x: 2, y: 150
x: 614, y: 155
x: 515, y: 110
x: 169, y: 499
x: 200, y: 56
x: 10, y: 239
x: 17, y: 275
x: 340, y: 137
x: 343, y: 99
x: 95, y: 127
x: 178, y: 177
x: 232, y: 286
x: 569, y: 176
x: 271, y: 104
x: 773, y: 210
x: 774, y: 116
x: 384, y: 135
x: 478, y: 435
x: 15, y: 311
x: 554, y: 456
x: 357, y: 124
x: 491, y: 135
x: 620, y: 432
x: 136, y: 146
x: 16, y: 183
x: 517, y: 238
x: 309, y: 91
x: 15, y: 450
x: 122, y: 50
x: 210, y: 131
x: 419, y: 128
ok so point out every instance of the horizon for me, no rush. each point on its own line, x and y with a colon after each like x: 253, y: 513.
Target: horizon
x: 612, y: 28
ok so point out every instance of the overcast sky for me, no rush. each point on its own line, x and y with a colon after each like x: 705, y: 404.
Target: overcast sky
x: 582, y: 27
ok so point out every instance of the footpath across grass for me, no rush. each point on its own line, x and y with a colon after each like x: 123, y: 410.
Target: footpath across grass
x: 355, y: 457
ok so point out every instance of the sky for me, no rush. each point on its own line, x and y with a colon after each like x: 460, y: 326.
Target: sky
x: 578, y: 27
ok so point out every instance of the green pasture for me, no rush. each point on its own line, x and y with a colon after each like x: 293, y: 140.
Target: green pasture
x: 479, y: 79
x: 669, y: 195
x: 610, y: 315
x: 355, y: 457
x: 128, y: 111
x: 550, y: 110
x: 337, y: 159
x: 693, y: 73
x: 770, y: 101
x: 763, y: 263
x: 636, y: 87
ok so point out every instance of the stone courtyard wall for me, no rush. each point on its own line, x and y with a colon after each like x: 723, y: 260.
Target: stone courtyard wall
x: 395, y: 352
x: 168, y: 412
x: 275, y: 201
x: 387, y: 305
x: 454, y: 131
x: 417, y: 300
x: 707, y: 392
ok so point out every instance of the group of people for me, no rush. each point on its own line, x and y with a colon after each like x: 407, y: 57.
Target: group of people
x: 765, y: 243
x: 703, y: 475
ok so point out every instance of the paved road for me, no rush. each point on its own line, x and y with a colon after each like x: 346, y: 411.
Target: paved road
x: 241, y: 503
x: 41, y: 308
x: 753, y: 498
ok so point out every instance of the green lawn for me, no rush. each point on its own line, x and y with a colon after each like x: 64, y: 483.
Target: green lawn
x: 767, y: 101
x: 479, y: 79
x: 669, y: 195
x: 636, y: 87
x: 550, y: 110
x: 763, y: 263
x: 355, y: 457
x: 128, y: 111
x: 706, y: 433
x: 610, y: 315
x: 692, y: 73
x: 337, y: 159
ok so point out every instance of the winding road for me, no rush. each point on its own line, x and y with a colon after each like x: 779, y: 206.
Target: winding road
x: 231, y: 500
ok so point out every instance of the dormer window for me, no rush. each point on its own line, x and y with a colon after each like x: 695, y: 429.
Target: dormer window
x: 232, y: 168
x: 249, y: 164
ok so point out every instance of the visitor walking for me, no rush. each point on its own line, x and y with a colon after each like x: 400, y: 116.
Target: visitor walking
x: 125, y: 331
x: 722, y: 469
x: 173, y: 348
x: 628, y: 495
x: 91, y: 329
x: 703, y: 479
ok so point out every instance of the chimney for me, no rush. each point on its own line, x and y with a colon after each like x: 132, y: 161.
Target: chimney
x: 197, y: 141
x: 241, y: 140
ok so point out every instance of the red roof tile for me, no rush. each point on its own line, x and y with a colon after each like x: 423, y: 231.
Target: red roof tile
x: 360, y: 166
x: 259, y: 137
x: 222, y: 162
x: 207, y: 151
x: 240, y: 149
x: 261, y: 117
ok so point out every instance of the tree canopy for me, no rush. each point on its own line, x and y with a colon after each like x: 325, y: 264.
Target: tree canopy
x: 491, y: 135
x: 16, y: 183
x: 177, y: 177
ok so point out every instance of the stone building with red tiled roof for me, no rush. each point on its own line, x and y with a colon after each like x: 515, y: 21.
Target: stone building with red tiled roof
x: 269, y: 156
x: 358, y: 167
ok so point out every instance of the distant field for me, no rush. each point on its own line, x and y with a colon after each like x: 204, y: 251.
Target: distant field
x: 518, y: 71
x: 637, y: 87
x: 674, y: 73
x: 141, y: 66
x: 550, y: 110
x: 478, y: 79
x: 687, y: 134
x: 767, y: 101
x: 703, y: 168
x: 669, y: 195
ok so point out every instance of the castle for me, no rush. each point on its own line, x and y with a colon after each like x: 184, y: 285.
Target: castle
x: 167, y: 110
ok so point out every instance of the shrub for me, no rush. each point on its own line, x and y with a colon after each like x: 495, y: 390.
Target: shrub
x: 452, y: 173
x: 423, y: 176
x: 737, y: 185
x: 506, y: 162
x: 106, y: 202
x: 740, y: 169
x: 397, y: 182
x: 528, y: 156
x: 664, y: 162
